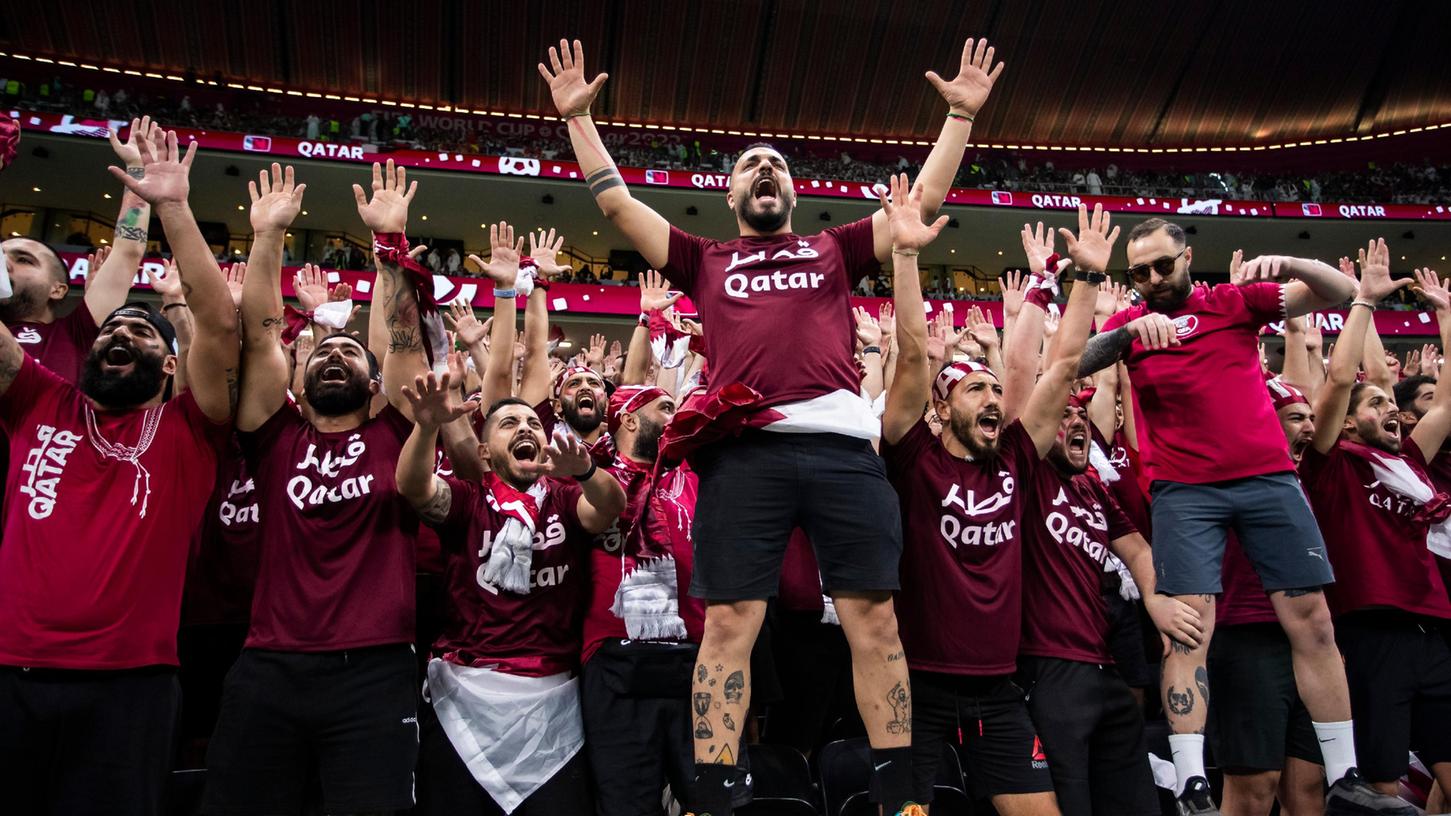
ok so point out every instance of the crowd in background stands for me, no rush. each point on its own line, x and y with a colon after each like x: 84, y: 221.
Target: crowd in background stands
x: 1417, y: 182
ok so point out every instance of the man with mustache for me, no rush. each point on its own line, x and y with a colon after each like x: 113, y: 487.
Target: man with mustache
x: 108, y: 486
x: 1193, y: 359
x: 325, y: 691
x: 784, y: 374
x: 1383, y: 518
x: 962, y: 510
x: 504, y: 731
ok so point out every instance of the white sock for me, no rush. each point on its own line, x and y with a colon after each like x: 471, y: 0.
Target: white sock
x: 1337, y: 746
x: 1188, y: 755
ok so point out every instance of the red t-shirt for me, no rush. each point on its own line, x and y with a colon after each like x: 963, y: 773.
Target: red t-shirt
x: 1378, y: 551
x: 961, y: 607
x: 1128, y: 492
x: 781, y: 305
x: 675, y: 497
x: 338, y: 542
x: 603, y: 449
x: 1208, y: 414
x: 61, y: 345
x: 225, y: 550
x: 1066, y: 535
x: 428, y: 551
x: 87, y: 582
x: 1243, y: 599
x: 536, y: 634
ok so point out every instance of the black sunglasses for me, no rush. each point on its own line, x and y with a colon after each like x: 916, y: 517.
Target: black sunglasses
x: 1164, y: 266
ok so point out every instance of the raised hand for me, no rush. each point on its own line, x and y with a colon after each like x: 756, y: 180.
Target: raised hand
x: 1347, y: 268
x: 566, y: 456
x: 1265, y: 268
x: 544, y: 249
x: 165, y: 179
x: 904, y: 216
x: 276, y: 200
x: 1430, y: 360
x: 1375, y: 272
x: 980, y: 327
x: 887, y: 319
x: 655, y: 292
x: 434, y: 403
x: 94, y: 261
x: 1014, y: 286
x: 460, y: 317
x: 595, y: 357
x: 503, y: 265
x: 1110, y: 296
x: 1154, y: 330
x: 1313, y: 338
x: 1236, y: 269
x: 572, y: 95
x: 967, y: 91
x: 387, y: 210
x: 1433, y: 290
x: 868, y: 331
x: 167, y: 285
x: 129, y: 151
x: 311, y: 287
x: 1038, y: 246
x: 1093, y: 246
x: 236, y: 275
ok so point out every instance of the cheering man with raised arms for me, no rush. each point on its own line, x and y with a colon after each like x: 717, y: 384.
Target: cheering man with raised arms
x: 788, y: 377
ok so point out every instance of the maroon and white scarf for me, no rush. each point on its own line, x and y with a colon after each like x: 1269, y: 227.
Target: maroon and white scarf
x: 392, y: 248
x: 648, y: 600
x: 1400, y: 478
x: 512, y: 550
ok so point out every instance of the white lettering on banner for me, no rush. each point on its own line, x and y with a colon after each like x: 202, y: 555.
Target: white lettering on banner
x: 1208, y: 206
x: 28, y: 336
x: 1325, y: 321
x: 515, y: 166
x: 44, y: 466
x: 1362, y: 211
x: 1065, y: 532
x: 710, y: 181
x: 874, y: 192
x: 551, y: 536
x: 1062, y: 202
x: 330, y: 150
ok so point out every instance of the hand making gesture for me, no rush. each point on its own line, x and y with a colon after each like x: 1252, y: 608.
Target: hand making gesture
x: 1093, y: 246
x: 503, y: 265
x: 165, y: 180
x: 904, y: 217
x: 572, y: 95
x: 967, y: 91
x: 387, y: 211
x: 276, y: 199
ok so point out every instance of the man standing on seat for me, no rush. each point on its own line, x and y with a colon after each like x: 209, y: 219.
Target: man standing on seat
x: 1193, y: 359
x: 784, y: 372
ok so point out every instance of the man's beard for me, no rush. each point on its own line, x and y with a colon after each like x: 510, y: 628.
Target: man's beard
x: 22, y: 306
x: 1173, y: 300
x: 647, y: 441
x: 115, y: 391
x: 333, y: 398
x: 962, y: 427
x: 582, y: 425
x: 1372, y: 434
x: 762, y: 221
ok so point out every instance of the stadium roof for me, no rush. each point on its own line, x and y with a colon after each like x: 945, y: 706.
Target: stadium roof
x: 1129, y: 73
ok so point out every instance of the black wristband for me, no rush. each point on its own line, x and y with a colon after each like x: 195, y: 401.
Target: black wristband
x: 871, y: 350
x: 181, y: 304
x: 1089, y: 275
x: 588, y: 474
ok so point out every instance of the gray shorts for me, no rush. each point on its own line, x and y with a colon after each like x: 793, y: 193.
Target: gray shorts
x: 1269, y: 514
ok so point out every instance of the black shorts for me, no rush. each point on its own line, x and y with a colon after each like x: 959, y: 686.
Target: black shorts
x: 635, y: 698
x: 346, y: 722
x: 1399, y: 670
x: 207, y: 652
x: 1126, y: 641
x: 86, y: 741
x: 1093, y: 735
x: 1257, y: 718
x: 757, y: 488
x: 990, y: 717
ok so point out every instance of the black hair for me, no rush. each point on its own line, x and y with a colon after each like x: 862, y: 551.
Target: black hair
x: 1405, y: 390
x: 1176, y: 232
x: 501, y: 404
x: 752, y: 146
x: 374, y: 370
x: 1356, y: 392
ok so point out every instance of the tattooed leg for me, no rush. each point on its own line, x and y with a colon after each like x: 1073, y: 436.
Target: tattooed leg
x: 721, y: 684
x: 1185, y: 682
x: 879, y: 667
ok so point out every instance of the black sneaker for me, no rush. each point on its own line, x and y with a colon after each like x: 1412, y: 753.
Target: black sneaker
x: 1353, y: 796
x: 1195, y: 800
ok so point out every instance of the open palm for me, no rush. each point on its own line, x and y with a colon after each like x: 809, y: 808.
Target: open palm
x: 967, y: 91
x: 387, y: 211
x: 572, y: 94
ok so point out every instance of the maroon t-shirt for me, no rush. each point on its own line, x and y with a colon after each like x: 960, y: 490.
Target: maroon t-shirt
x: 535, y: 634
x: 1243, y: 598
x: 1376, y: 547
x: 603, y: 449
x: 224, y: 552
x: 961, y: 607
x: 61, y: 345
x: 800, y: 589
x: 781, y: 305
x: 338, y: 540
x: 674, y: 495
x: 95, y: 551
x: 1208, y: 415
x: 1127, y: 492
x: 1067, y: 529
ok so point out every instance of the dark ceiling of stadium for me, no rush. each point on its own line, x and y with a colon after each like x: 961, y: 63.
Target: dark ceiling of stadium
x: 1129, y: 73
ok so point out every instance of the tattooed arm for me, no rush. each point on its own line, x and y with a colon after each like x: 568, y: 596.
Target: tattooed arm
x: 110, y: 284
x: 645, y: 228
x: 213, y: 362
x: 433, y: 404
x: 276, y: 200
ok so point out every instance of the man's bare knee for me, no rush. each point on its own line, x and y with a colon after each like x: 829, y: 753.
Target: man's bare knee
x: 867, y: 619
x: 1305, y: 616
x: 733, y: 625
x: 1250, y: 793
